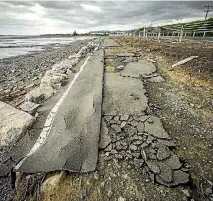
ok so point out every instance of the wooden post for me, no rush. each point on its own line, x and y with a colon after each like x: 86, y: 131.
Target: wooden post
x: 139, y: 34
x: 159, y: 36
x: 204, y: 33
x: 194, y: 34
x: 181, y: 33
x: 144, y: 32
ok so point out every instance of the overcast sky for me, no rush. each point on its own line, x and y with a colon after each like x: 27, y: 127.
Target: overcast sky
x: 43, y: 17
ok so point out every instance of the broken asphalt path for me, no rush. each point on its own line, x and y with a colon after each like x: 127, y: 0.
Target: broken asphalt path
x: 72, y: 142
x: 110, y: 43
x: 130, y: 130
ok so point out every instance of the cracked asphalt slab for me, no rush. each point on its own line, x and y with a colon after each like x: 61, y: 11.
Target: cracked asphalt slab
x: 72, y: 143
x: 124, y: 95
x: 110, y: 43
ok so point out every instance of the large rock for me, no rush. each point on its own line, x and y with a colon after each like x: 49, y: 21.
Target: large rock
x: 38, y: 95
x: 29, y: 107
x: 83, y: 51
x: 13, y: 123
x: 52, y: 78
x: 62, y: 66
x: 74, y: 56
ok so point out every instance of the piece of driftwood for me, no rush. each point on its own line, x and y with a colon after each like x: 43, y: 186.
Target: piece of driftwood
x: 183, y: 61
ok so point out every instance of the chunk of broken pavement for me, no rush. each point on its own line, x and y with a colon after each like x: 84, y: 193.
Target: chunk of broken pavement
x: 143, y: 118
x: 140, y: 127
x: 116, y: 128
x: 123, y: 124
x: 165, y: 173
x: 105, y: 139
x: 179, y: 177
x: 173, y: 162
x: 168, y: 143
x: 13, y: 123
x: 153, y: 167
x: 124, y: 117
x: 156, y: 128
x: 163, y: 152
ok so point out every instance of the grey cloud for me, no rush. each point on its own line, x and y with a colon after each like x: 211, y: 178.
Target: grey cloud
x: 70, y: 15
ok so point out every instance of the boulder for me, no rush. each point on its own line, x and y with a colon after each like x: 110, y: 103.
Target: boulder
x: 74, y: 61
x: 39, y: 94
x: 74, y: 56
x: 29, y: 107
x: 83, y: 51
x: 62, y: 66
x: 51, y: 79
x: 13, y: 123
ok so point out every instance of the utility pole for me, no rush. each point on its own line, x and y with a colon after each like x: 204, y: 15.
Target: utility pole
x: 207, y: 10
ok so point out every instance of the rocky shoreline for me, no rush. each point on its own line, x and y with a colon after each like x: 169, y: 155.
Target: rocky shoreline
x: 21, y: 73
x: 29, y: 74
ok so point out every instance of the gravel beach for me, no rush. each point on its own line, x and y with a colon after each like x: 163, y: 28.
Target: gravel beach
x: 20, y: 73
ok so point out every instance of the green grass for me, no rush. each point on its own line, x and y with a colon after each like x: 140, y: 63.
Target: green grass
x: 189, y: 27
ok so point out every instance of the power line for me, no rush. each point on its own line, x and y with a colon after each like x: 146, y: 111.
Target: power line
x: 207, y: 10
